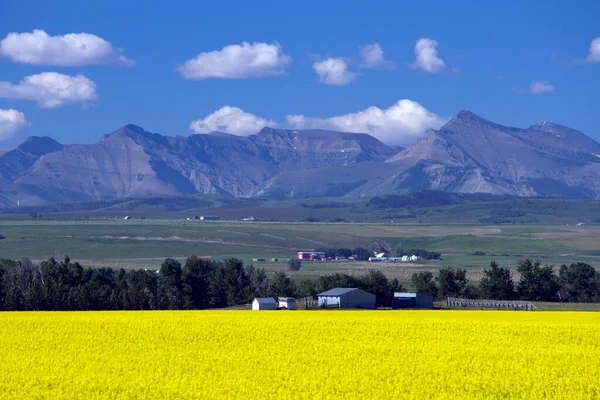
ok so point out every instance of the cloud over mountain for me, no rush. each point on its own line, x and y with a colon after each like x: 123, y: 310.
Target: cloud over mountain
x: 51, y: 89
x: 231, y: 120
x: 235, y: 61
x: 73, y: 49
x: 401, y: 123
x: 11, y: 122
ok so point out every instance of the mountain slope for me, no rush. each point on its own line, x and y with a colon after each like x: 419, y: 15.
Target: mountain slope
x: 15, y: 161
x: 467, y: 155
x: 470, y: 154
x: 133, y: 162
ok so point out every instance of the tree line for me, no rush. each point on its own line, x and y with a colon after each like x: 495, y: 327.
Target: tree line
x: 362, y: 254
x: 202, y: 283
x: 197, y: 284
x: 578, y: 282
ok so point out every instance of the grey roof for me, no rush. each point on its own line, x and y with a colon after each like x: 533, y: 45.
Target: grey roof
x: 410, y: 295
x: 337, y: 292
x: 265, y: 299
x: 287, y: 299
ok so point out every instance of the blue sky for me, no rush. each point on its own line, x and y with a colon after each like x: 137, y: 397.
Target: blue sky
x: 515, y: 63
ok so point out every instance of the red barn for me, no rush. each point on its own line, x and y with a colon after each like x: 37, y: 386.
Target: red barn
x: 311, y: 255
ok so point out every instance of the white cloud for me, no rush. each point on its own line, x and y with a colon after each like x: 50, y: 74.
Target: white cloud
x: 237, y: 61
x: 539, y: 87
x: 401, y: 123
x: 427, y: 58
x: 231, y: 120
x: 372, y: 56
x: 334, y: 71
x: 51, y: 89
x: 73, y: 49
x: 594, y: 53
x: 11, y: 122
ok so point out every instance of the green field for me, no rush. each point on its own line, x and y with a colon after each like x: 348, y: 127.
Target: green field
x: 145, y: 243
x: 428, y: 208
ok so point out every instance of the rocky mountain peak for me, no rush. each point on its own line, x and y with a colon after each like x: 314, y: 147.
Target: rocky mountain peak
x: 39, y: 145
x: 465, y: 117
x: 135, y: 133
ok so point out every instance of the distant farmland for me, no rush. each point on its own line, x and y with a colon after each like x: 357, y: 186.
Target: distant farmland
x: 145, y: 243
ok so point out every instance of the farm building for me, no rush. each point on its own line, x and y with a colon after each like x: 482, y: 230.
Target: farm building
x: 347, y: 298
x: 412, y: 300
x: 209, y: 218
x: 264, y: 303
x: 289, y: 303
x: 379, y: 258
x: 311, y: 255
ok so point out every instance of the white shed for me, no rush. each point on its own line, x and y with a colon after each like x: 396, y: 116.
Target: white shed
x: 289, y: 303
x: 264, y: 303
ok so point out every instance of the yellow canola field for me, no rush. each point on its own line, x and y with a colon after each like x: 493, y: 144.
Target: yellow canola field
x: 300, y: 355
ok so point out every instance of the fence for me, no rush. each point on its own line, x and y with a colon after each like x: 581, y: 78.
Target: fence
x: 495, y: 304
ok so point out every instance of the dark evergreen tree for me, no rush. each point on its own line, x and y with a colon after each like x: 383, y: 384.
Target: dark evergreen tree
x: 537, y: 283
x: 307, y: 288
x: 424, y: 283
x: 281, y: 286
x: 497, y: 283
x: 197, y: 275
x: 294, y: 264
x: 170, y: 285
x: 258, y: 281
x: 579, y: 282
x: 361, y: 254
x: 451, y: 282
x: 376, y: 282
x: 328, y: 282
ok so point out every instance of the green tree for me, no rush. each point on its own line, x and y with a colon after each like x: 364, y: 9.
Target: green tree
x: 396, y: 286
x: 197, y: 274
x: 451, y: 282
x: 280, y: 285
x: 171, y: 285
x: 375, y: 282
x: 307, y: 288
x: 537, y: 283
x: 231, y: 285
x: 579, y: 282
x: 258, y: 281
x: 497, y: 283
x: 328, y: 282
x: 294, y: 264
x: 424, y: 283
x: 361, y: 254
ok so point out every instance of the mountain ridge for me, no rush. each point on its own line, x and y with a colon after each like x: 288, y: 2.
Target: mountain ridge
x: 468, y: 154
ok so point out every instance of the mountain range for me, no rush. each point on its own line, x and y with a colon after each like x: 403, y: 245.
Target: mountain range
x: 467, y: 155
